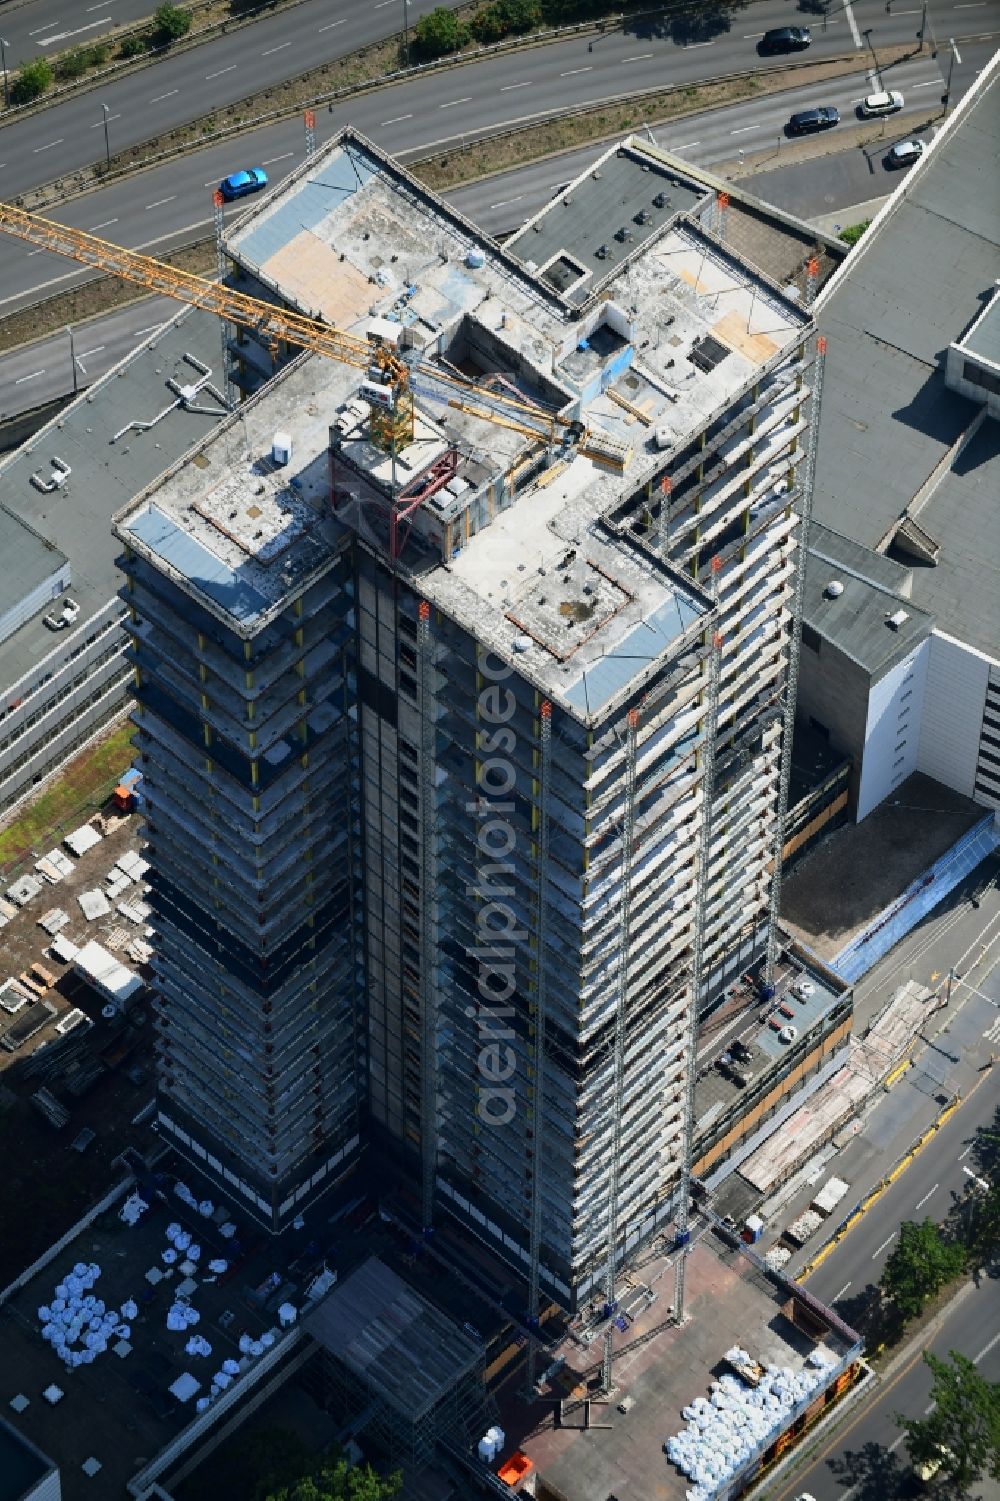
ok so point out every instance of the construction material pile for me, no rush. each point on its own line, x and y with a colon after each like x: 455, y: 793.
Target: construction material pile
x: 77, y: 1324
x: 738, y: 1421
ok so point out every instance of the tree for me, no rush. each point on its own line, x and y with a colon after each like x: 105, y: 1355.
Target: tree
x: 170, y: 23
x: 341, y: 1481
x: 505, y: 18
x: 920, y: 1265
x: 963, y: 1430
x: 31, y: 82
x: 438, y: 32
x: 852, y: 234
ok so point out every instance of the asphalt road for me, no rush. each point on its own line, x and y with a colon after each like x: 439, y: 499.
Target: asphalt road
x: 867, y: 1460
x: 504, y: 90
x: 167, y: 205
x: 174, y: 89
x: 41, y: 27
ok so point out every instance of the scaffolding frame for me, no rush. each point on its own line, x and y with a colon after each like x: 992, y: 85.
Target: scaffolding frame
x: 682, y: 1216
x: 537, y: 1011
x: 428, y: 1061
x: 618, y: 1088
x: 794, y: 654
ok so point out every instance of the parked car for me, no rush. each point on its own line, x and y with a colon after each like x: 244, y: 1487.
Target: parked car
x: 813, y: 119
x: 785, y: 39
x: 904, y: 153
x: 885, y: 103
x: 239, y: 184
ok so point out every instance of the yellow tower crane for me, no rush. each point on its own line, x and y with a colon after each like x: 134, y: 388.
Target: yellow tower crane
x: 392, y: 416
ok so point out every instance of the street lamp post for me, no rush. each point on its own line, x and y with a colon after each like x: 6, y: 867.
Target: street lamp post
x: 924, y: 23
x: 867, y: 34
x: 107, y: 139
x: 6, y: 81
x: 72, y: 356
x: 956, y: 56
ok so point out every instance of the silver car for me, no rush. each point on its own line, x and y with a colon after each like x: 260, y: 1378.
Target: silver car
x: 904, y: 153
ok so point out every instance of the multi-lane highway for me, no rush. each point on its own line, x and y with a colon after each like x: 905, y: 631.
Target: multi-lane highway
x: 166, y: 205
x: 460, y: 102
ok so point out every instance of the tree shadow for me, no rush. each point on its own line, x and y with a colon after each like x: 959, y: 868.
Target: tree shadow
x: 686, y: 25
x: 873, y: 1473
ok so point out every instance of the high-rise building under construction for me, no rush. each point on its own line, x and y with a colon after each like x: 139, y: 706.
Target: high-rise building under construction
x: 462, y: 689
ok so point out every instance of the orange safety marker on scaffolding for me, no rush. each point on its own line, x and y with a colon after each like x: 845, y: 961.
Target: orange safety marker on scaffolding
x: 721, y: 204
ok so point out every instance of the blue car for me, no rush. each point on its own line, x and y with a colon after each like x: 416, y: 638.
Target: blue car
x: 238, y: 184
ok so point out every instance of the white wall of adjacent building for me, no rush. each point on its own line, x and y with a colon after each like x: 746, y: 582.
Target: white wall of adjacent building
x: 893, y: 729
x: 952, y: 724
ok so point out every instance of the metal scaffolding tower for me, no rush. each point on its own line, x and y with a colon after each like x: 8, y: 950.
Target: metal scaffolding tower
x: 218, y: 207
x: 428, y: 1061
x: 794, y: 651
x: 617, y: 1100
x: 538, y: 1023
x: 682, y: 1217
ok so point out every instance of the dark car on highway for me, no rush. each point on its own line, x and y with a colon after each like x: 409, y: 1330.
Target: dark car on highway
x: 786, y: 39
x: 813, y: 119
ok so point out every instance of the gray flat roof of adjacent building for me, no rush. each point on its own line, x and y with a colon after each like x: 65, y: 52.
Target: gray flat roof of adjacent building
x: 984, y: 338
x: 403, y: 1348
x: 76, y: 518
x: 856, y: 620
x: 22, y: 1466
x: 888, y: 423
x: 26, y: 559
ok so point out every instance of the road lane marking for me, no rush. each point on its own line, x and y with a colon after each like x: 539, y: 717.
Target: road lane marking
x: 61, y: 36
x: 744, y: 128
x: 333, y: 24
x: 164, y: 96
x: 849, y: 13
x: 86, y: 353
x: 920, y: 1202
x: 33, y: 252
x: 98, y: 123
x: 504, y: 201
x: 572, y: 72
x: 882, y: 1247
x: 396, y: 119
x: 452, y: 102
x: 150, y: 330
x: 33, y: 376
x: 979, y: 1182
x: 280, y: 48
x: 103, y: 225
x: 49, y: 146
x: 160, y: 202
x: 686, y: 147
x: 508, y: 86
x: 933, y: 83
x: 689, y: 46
x: 837, y: 1296
x: 640, y: 57
x: 230, y: 69
x: 272, y: 159
x: 38, y: 29
x: 986, y: 1349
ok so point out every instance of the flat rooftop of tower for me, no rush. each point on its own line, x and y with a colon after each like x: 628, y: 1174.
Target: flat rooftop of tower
x: 541, y: 395
x: 730, y: 1300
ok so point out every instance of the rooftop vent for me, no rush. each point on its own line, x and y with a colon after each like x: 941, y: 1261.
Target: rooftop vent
x: 896, y: 619
x: 834, y: 589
